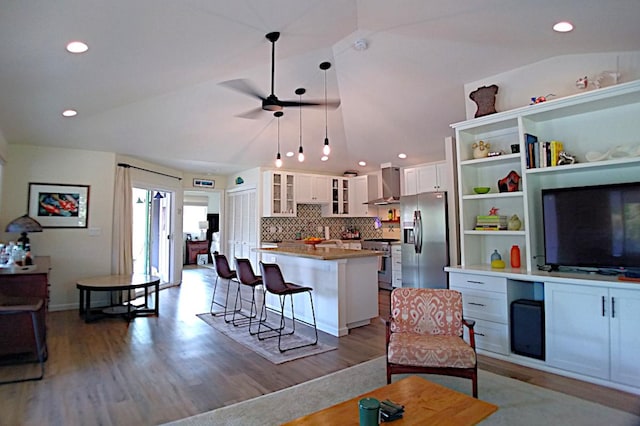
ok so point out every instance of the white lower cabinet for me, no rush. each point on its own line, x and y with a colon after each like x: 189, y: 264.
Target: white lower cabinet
x: 484, y: 300
x: 594, y: 331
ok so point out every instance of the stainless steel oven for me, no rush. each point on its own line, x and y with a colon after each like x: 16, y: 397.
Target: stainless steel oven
x: 384, y: 264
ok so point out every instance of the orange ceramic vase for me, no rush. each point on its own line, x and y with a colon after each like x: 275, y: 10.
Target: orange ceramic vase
x: 515, y: 256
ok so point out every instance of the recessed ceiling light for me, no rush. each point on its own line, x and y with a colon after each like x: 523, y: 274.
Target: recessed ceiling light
x: 77, y: 47
x: 563, y: 27
x: 402, y: 155
x: 69, y: 113
x: 324, y: 158
x: 362, y: 163
x: 289, y: 154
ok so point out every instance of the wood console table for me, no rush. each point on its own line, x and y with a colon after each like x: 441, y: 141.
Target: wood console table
x: 125, y: 283
x: 194, y: 248
x: 16, y: 331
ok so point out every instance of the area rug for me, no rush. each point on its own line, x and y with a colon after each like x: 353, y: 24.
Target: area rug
x: 268, y: 348
x: 519, y: 403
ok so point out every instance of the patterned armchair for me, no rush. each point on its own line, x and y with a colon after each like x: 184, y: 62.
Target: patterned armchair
x: 424, y: 335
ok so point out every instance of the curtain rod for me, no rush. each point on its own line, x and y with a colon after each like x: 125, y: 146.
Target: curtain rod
x: 147, y: 170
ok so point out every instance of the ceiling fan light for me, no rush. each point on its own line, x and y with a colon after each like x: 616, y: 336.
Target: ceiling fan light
x: 326, y: 149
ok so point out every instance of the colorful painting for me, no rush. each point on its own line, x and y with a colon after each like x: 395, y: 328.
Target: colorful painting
x: 59, y: 205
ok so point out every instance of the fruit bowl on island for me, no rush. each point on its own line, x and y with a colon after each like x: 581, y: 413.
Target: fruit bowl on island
x: 312, y: 241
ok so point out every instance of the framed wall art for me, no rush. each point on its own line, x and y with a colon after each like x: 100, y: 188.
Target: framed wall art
x: 59, y: 205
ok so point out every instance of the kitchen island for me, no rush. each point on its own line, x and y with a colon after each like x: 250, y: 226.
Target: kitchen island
x: 344, y: 282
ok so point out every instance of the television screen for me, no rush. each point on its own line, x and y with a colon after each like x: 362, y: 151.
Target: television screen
x: 592, y: 226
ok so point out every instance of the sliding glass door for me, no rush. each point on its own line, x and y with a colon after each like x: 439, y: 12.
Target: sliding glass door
x: 151, y: 232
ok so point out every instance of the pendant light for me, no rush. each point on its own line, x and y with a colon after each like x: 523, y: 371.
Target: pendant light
x: 326, y: 149
x: 277, y: 115
x: 300, y: 92
x: 158, y: 196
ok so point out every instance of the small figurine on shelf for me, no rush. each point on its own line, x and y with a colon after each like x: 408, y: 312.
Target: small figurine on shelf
x: 493, y: 211
x: 566, y: 158
x: 510, y: 182
x: 485, y: 99
x: 540, y: 99
x: 514, y: 223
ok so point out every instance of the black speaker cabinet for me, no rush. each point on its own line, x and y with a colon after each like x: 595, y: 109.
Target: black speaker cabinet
x: 527, y: 328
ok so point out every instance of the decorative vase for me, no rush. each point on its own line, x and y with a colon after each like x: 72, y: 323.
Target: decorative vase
x: 514, y: 223
x: 515, y: 256
x: 480, y: 149
x: 495, y: 256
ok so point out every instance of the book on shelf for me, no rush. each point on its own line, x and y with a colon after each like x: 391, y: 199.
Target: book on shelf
x: 490, y: 228
x: 491, y: 217
x: 529, y: 142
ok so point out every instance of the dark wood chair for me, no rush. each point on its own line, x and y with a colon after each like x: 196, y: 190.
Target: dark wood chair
x: 424, y: 335
x: 275, y: 284
x: 14, y: 305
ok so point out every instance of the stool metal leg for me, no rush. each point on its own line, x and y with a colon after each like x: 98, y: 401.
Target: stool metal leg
x: 293, y: 327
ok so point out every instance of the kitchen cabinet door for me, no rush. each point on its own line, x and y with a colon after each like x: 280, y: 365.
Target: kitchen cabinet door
x: 577, y: 328
x: 363, y: 189
x: 624, y: 309
x: 312, y: 189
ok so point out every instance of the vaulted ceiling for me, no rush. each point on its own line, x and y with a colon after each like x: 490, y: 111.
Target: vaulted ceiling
x: 150, y: 84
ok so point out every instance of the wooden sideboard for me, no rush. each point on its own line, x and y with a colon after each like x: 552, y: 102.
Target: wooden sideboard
x: 194, y: 248
x: 16, y: 331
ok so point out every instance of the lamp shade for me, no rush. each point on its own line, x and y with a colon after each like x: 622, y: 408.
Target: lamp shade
x: 24, y: 224
x: 203, y: 225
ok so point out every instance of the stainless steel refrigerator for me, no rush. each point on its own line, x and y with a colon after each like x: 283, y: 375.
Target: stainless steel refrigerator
x: 425, y: 245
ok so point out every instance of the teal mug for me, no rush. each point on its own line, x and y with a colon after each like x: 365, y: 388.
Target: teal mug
x: 369, y: 412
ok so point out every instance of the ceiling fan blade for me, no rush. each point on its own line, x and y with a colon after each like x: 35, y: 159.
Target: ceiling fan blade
x: 251, y: 114
x: 243, y: 86
x: 330, y: 103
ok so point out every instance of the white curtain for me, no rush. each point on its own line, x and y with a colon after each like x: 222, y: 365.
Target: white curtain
x: 122, y: 254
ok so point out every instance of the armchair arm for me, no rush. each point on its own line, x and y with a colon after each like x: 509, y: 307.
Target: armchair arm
x: 472, y: 336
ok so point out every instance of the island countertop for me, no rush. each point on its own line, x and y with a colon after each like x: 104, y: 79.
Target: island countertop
x: 320, y: 253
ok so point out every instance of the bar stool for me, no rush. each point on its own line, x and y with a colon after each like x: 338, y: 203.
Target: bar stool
x: 275, y: 284
x: 226, y: 273
x: 249, y: 278
x: 12, y: 305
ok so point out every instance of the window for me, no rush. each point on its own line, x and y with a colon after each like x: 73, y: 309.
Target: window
x: 192, y: 217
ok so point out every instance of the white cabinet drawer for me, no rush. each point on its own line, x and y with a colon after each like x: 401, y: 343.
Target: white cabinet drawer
x: 490, y: 336
x: 478, y: 282
x: 396, y: 281
x: 484, y: 305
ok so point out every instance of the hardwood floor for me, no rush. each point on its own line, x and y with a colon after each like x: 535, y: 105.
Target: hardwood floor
x: 156, y: 370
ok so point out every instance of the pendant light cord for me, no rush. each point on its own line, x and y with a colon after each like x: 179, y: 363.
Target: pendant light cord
x: 326, y: 107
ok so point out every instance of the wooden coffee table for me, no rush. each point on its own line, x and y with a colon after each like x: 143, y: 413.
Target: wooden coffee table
x: 425, y: 403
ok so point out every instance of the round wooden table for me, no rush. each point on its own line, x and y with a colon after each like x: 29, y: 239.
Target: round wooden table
x: 118, y: 283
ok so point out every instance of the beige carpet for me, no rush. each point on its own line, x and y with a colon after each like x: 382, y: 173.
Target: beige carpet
x: 519, y: 403
x: 268, y: 348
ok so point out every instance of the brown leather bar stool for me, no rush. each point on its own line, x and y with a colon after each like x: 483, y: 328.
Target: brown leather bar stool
x: 275, y: 284
x: 226, y: 273
x: 248, y: 278
x: 12, y: 305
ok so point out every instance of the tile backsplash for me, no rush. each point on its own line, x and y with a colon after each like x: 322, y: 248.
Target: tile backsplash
x: 310, y: 223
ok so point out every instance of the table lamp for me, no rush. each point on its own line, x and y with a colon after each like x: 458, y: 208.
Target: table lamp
x: 203, y: 225
x: 24, y: 224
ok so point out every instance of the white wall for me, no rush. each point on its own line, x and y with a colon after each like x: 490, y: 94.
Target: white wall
x: 556, y: 75
x: 74, y: 252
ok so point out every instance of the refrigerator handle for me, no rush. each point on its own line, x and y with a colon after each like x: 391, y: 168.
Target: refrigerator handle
x: 418, y: 231
x: 415, y: 231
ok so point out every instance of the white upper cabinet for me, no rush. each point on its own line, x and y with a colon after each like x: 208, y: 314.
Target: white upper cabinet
x: 363, y: 189
x: 339, y: 205
x: 426, y: 178
x: 312, y: 189
x: 279, y: 195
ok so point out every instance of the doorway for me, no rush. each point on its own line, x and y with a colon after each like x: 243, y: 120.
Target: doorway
x: 152, y: 232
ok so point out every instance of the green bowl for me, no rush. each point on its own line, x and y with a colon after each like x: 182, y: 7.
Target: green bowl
x: 481, y: 189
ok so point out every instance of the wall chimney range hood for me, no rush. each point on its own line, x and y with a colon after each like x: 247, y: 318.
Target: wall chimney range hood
x: 390, y: 187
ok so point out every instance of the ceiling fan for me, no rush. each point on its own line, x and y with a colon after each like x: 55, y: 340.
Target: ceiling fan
x: 271, y: 102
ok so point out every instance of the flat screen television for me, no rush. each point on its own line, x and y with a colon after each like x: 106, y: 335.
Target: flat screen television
x: 592, y: 226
